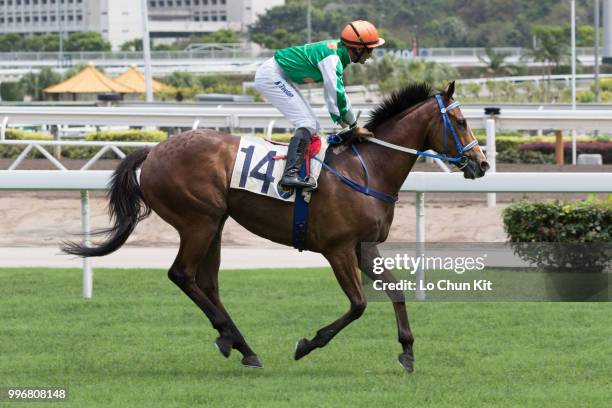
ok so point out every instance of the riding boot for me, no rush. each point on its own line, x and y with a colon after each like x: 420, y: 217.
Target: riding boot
x: 295, y: 159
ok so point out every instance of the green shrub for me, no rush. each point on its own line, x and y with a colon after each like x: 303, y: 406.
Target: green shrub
x: 605, y: 84
x: 131, y: 135
x: 602, y: 148
x: 508, y: 147
x: 16, y: 134
x: 535, y: 157
x: 545, y: 221
x: 73, y: 152
x: 554, y: 235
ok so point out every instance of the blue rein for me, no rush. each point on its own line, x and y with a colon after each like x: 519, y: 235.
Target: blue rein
x: 459, y: 159
x: 362, y: 189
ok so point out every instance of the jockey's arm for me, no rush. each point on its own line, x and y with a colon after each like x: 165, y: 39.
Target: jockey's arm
x: 336, y: 100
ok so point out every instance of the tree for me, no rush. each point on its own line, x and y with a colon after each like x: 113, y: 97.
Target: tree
x: 35, y: 43
x: 136, y: 45
x: 508, y: 90
x: 452, y: 30
x: 86, y: 41
x: 551, y: 49
x: 391, y: 41
x: 531, y: 91
x: 290, y: 20
x: 33, y: 83
x: 179, y: 79
x: 496, y: 63
x: 221, y: 36
x: 393, y: 73
x: 493, y: 88
x: 438, y: 23
x: 474, y: 89
x: 11, y: 91
x: 11, y: 43
x: 132, y: 45
x: 280, y: 38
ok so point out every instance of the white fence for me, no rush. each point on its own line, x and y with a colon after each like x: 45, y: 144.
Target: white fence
x: 417, y: 182
x: 227, y: 117
x: 269, y: 118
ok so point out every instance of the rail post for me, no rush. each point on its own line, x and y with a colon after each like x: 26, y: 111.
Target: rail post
x: 3, y: 128
x: 57, y: 150
x: 87, y: 272
x: 559, y: 147
x: 491, y: 149
x: 420, y: 244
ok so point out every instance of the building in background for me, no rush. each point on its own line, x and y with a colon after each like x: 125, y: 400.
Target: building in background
x: 120, y: 20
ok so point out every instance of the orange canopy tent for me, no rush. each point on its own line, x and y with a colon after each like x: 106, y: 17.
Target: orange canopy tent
x: 135, y: 79
x: 90, y: 80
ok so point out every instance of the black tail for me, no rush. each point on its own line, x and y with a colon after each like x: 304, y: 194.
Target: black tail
x: 126, y: 209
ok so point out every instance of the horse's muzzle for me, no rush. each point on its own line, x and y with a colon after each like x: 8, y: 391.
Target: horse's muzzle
x: 474, y: 168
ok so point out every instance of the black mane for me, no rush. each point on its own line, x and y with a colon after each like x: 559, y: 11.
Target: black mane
x: 399, y: 101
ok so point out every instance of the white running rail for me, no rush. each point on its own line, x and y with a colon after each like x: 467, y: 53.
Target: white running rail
x: 417, y: 182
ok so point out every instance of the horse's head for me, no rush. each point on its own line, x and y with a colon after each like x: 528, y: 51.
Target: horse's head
x: 452, y: 137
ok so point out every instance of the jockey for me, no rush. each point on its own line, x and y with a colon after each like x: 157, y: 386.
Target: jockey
x: 322, y: 61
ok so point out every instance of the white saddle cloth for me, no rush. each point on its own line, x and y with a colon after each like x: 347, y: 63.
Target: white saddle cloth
x: 256, y: 171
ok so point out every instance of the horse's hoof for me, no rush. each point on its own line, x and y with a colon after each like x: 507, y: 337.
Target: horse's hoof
x: 224, y: 345
x: 406, y: 361
x: 252, y: 362
x: 301, y: 349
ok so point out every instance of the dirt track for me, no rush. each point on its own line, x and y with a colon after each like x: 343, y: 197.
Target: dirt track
x: 35, y: 218
x: 47, y: 218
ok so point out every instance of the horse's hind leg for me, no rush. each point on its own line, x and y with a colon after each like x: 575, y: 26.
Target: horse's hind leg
x: 366, y: 255
x: 195, y: 243
x: 344, y: 264
x: 207, y: 280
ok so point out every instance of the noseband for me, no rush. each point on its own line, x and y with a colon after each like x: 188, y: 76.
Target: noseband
x: 460, y: 159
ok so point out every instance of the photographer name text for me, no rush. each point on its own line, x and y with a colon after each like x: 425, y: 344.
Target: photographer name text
x: 441, y: 285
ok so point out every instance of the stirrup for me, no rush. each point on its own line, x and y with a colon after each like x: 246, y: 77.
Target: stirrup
x: 308, y: 181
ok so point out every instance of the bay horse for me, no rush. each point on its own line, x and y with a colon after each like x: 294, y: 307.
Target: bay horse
x: 186, y: 180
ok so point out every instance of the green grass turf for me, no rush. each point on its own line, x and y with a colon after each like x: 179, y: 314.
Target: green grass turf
x: 141, y: 342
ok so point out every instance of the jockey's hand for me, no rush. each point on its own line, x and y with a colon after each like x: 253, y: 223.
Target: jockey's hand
x: 362, y: 133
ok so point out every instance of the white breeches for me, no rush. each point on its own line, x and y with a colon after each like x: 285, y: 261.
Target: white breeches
x: 280, y: 91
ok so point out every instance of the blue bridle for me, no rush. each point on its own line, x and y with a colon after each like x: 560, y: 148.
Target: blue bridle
x: 448, y: 127
x: 460, y: 159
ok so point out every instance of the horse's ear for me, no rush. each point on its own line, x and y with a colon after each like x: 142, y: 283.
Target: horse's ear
x: 450, y: 90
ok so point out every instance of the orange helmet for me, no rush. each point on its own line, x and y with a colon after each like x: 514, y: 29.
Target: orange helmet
x: 361, y: 34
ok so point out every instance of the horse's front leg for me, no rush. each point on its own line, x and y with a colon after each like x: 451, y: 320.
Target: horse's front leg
x: 366, y: 255
x: 344, y: 264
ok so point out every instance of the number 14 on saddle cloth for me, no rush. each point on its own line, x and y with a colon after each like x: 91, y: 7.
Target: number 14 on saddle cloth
x: 256, y: 169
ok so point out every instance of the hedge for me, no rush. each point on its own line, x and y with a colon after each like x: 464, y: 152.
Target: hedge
x: 7, y: 151
x: 544, y: 221
x: 603, y: 148
x: 131, y: 135
x: 508, y: 148
x: 562, y: 236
